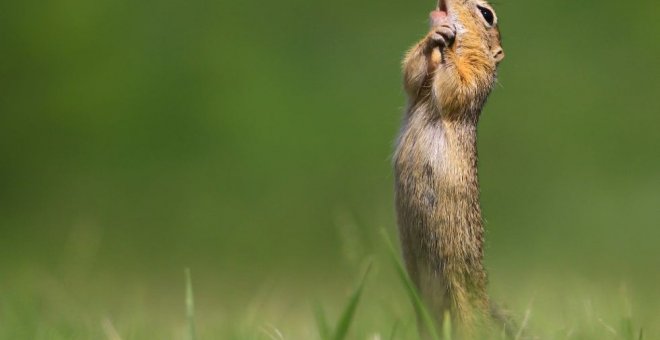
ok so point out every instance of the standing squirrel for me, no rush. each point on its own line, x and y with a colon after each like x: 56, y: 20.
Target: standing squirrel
x: 447, y: 77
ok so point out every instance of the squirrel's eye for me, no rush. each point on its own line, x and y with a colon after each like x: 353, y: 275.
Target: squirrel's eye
x: 487, y: 14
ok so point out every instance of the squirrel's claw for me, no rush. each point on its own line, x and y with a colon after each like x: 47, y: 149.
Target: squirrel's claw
x: 443, y: 36
x: 443, y: 31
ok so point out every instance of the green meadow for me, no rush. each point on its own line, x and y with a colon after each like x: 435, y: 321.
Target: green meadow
x: 250, y: 143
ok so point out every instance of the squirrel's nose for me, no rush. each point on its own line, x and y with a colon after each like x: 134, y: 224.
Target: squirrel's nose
x: 437, y: 17
x: 440, y: 13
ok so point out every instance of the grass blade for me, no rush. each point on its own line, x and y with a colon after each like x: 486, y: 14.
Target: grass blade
x: 190, y: 307
x: 419, y: 306
x: 349, y: 312
x: 322, y: 322
x: 110, y: 330
x: 446, y: 326
x: 395, y: 328
x: 627, y: 329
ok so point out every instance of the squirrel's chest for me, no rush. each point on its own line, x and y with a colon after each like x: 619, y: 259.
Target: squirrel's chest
x: 421, y: 152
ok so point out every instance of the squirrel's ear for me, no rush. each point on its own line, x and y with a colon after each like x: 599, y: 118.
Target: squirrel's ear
x: 498, y: 55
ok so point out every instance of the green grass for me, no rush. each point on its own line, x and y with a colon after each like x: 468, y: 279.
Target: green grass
x: 357, y: 301
x: 354, y: 301
x: 382, y: 305
x: 340, y: 332
x: 190, y: 307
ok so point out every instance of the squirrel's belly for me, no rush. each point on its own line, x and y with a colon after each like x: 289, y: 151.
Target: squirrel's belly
x: 418, y: 207
x: 419, y: 164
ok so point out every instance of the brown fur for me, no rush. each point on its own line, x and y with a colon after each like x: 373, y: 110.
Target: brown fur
x: 437, y: 189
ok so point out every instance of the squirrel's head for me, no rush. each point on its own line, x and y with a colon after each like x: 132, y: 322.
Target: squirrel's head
x: 474, y: 53
x: 476, y: 24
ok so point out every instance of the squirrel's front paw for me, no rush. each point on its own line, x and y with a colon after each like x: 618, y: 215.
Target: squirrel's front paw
x: 443, y: 31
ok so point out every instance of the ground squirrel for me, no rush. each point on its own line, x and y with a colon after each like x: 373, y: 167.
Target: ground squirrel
x: 447, y: 77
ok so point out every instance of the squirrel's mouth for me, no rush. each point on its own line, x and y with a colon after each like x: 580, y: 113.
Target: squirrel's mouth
x: 442, y: 5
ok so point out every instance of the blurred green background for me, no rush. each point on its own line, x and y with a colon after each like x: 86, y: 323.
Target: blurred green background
x: 251, y: 141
